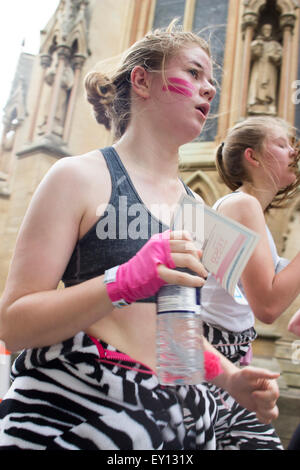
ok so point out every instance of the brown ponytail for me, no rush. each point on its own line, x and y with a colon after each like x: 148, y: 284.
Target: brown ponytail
x: 232, y: 181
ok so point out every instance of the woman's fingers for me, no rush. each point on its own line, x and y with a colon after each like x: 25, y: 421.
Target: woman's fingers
x: 268, y: 416
x: 181, y: 235
x: 181, y: 241
x: 184, y: 255
x: 172, y: 276
x: 191, y: 262
x: 266, y: 410
x: 183, y: 246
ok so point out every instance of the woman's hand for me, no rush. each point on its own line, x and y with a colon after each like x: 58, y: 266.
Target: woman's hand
x: 294, y: 324
x: 257, y: 390
x: 253, y: 388
x: 154, y: 266
x: 184, y: 255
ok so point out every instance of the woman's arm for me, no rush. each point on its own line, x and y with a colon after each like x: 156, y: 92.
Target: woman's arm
x: 269, y: 294
x: 253, y: 388
x: 33, y: 312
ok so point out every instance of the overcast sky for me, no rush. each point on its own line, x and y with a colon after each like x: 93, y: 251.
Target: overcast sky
x: 20, y: 20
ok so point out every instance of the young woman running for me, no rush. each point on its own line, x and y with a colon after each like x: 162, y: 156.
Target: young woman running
x: 86, y: 378
x: 259, y: 164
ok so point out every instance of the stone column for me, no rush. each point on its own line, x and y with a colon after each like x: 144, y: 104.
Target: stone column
x: 189, y: 13
x: 63, y: 53
x: 249, y: 22
x: 77, y: 63
x: 141, y: 19
x: 227, y: 97
x: 287, y: 23
x: 45, y: 63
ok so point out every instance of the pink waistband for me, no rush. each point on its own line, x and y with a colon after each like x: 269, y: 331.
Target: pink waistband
x: 212, y: 363
x: 108, y: 356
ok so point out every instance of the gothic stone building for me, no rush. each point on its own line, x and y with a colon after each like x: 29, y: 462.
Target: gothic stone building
x: 47, y: 117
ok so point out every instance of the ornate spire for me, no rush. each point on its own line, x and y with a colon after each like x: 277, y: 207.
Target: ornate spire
x: 69, y: 25
x: 64, y: 48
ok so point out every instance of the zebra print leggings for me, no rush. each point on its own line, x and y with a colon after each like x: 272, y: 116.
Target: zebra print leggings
x: 234, y: 346
x: 65, y: 397
x: 237, y: 427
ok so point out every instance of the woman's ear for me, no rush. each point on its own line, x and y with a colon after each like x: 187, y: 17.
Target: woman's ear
x: 140, y: 81
x: 250, y: 156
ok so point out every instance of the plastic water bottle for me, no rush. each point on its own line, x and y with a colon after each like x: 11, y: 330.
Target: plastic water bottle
x: 179, y: 340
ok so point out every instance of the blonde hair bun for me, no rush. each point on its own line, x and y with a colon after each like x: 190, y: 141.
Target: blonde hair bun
x: 100, y: 94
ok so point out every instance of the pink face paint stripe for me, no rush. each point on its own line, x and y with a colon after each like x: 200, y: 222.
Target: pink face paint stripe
x: 181, y: 81
x: 187, y: 89
x: 179, y: 90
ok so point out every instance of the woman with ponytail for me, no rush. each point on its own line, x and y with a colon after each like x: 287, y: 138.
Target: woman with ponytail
x: 86, y: 377
x: 258, y: 163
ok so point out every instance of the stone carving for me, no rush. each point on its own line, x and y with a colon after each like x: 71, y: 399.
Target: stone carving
x: 266, y: 54
x: 65, y: 41
x: 66, y: 84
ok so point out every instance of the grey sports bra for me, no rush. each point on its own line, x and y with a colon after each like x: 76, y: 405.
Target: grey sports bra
x: 111, y: 240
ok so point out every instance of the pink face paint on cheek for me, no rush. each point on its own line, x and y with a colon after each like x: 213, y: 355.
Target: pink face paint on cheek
x: 181, y: 81
x: 181, y: 86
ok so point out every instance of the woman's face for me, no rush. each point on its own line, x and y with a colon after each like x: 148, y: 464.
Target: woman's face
x: 183, y: 93
x: 280, y: 158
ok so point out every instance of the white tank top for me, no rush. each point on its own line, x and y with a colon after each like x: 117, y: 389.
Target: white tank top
x: 219, y: 308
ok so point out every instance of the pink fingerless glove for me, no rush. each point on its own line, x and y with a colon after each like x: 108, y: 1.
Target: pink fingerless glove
x: 138, y: 278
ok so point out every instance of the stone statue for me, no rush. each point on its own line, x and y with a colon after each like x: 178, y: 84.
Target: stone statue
x: 46, y: 99
x: 266, y: 54
x: 66, y: 84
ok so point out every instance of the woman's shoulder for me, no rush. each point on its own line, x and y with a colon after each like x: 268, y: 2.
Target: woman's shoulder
x: 79, y: 166
x: 242, y: 207
x: 78, y: 173
x: 73, y: 180
x: 240, y: 199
